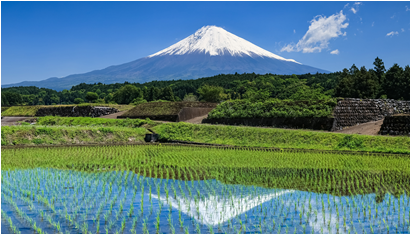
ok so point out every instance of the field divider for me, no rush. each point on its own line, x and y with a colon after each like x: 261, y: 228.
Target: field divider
x: 207, y: 145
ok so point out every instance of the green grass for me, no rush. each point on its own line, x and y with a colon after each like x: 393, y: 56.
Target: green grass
x: 163, y: 108
x: 52, y: 135
x: 4, y: 109
x: 88, y: 121
x: 281, y: 138
x: 27, y: 111
x: 273, y: 108
x: 333, y: 173
x: 30, y: 111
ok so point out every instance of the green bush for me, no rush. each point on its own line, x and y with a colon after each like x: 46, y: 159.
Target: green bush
x: 273, y: 108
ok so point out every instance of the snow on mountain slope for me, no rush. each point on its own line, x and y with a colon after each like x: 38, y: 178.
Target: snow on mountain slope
x: 215, y: 41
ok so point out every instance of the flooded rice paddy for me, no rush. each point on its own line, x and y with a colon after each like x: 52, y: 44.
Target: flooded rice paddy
x: 48, y: 200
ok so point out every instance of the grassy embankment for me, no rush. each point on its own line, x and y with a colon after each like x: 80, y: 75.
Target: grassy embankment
x: 88, y: 121
x: 274, y: 108
x: 37, y: 135
x: 67, y: 130
x: 334, y: 173
x: 281, y: 138
x: 30, y: 111
x: 75, y: 130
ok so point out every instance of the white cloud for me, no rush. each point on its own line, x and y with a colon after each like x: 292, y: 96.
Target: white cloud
x: 346, y: 5
x: 344, y: 34
x: 356, y: 7
x: 320, y: 32
x: 392, y: 33
x: 294, y: 30
x: 353, y: 10
x: 372, y: 25
x: 335, y: 52
x: 406, y: 8
x: 402, y: 30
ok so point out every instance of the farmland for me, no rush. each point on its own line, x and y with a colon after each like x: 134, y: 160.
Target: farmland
x: 181, y: 189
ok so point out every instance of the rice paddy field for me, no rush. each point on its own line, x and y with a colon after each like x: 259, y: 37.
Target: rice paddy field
x: 181, y: 189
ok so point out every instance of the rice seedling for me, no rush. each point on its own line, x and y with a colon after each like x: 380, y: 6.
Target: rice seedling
x: 317, y: 193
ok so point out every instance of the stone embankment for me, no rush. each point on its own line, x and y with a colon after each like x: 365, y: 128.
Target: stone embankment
x: 396, y: 125
x: 75, y: 111
x: 351, y: 112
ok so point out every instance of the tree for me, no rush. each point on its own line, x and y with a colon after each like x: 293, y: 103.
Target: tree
x: 108, y: 98
x: 366, y: 84
x: 354, y: 70
x: 91, y: 96
x: 190, y: 97
x: 154, y: 94
x: 255, y: 96
x: 12, y: 98
x: 167, y: 94
x: 406, y: 88
x: 357, y: 83
x: 379, y: 69
x: 78, y: 100
x: 4, y: 101
x: 345, y: 85
x: 212, y: 93
x: 397, y: 83
x: 126, y: 94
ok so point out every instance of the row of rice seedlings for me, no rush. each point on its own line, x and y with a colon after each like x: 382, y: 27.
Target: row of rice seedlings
x: 193, y: 190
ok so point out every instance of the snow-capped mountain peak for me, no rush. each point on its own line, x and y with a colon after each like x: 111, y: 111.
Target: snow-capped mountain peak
x: 216, y: 41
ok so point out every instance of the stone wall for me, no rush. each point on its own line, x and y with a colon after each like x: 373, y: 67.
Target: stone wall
x: 75, y: 111
x: 192, y: 112
x: 169, y: 118
x: 396, y: 125
x: 350, y: 111
x: 294, y: 123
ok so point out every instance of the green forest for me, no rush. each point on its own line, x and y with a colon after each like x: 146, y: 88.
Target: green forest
x: 354, y: 82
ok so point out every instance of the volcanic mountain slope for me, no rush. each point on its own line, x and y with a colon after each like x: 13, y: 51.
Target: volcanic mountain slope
x: 208, y: 52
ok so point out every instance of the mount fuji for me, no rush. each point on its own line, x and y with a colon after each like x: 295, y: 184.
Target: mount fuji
x: 211, y: 50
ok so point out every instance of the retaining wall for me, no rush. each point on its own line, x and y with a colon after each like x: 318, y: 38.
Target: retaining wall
x: 75, y: 111
x: 350, y: 111
x: 190, y: 113
x: 396, y: 125
x: 295, y: 123
x: 169, y: 118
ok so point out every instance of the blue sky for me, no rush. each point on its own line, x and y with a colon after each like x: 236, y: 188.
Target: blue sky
x: 40, y: 40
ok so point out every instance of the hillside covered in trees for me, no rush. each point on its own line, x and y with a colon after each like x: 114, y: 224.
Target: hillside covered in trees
x: 354, y: 82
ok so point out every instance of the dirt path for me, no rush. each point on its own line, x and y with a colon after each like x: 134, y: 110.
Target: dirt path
x: 113, y: 115
x: 196, y: 120
x: 369, y: 128
x: 10, y: 121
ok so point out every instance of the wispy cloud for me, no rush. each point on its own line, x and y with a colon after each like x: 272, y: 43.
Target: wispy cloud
x: 392, y: 17
x: 372, y: 25
x: 402, y: 30
x: 392, y: 33
x: 335, y: 52
x: 294, y: 30
x: 406, y: 8
x: 346, y: 5
x: 353, y: 10
x: 356, y: 7
x: 320, y: 32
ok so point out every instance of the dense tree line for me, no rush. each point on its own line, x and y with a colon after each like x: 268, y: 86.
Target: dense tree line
x: 353, y: 82
x: 375, y: 83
